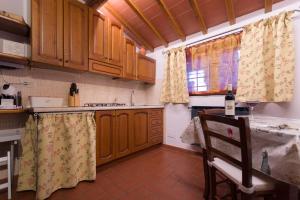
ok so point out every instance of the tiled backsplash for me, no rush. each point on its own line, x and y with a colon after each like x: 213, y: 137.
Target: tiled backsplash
x: 92, y: 87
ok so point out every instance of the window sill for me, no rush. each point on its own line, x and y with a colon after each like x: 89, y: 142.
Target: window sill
x: 211, y: 93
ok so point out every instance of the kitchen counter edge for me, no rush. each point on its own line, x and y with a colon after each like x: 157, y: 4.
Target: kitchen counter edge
x: 84, y: 109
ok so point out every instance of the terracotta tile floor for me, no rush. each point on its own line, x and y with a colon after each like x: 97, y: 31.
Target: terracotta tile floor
x: 156, y: 174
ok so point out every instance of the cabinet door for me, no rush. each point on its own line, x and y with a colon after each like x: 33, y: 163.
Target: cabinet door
x: 75, y: 35
x: 123, y: 139
x: 47, y: 31
x: 129, y: 66
x: 97, y: 36
x: 155, y: 126
x: 146, y: 69
x: 115, y: 45
x: 140, y: 129
x: 105, y: 121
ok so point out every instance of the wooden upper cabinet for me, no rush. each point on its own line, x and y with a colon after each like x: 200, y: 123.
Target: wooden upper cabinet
x: 129, y: 66
x: 123, y: 135
x: 75, y: 35
x: 97, y: 36
x: 47, y: 31
x: 140, y: 129
x: 146, y: 69
x: 105, y: 45
x: 115, y: 43
x: 105, y: 139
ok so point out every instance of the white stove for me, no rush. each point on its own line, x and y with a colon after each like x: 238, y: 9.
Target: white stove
x: 104, y: 104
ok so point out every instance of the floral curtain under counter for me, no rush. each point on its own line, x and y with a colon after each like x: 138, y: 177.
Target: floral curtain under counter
x: 58, y: 152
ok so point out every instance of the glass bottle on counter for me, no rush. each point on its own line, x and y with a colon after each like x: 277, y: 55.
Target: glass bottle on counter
x: 229, y: 102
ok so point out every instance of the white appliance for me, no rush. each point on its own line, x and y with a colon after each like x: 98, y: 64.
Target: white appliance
x: 38, y: 102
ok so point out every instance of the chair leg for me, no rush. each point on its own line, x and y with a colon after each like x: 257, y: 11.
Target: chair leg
x: 268, y: 197
x: 8, y: 175
x: 245, y: 196
x: 206, y: 175
x: 213, y: 183
x: 233, y: 191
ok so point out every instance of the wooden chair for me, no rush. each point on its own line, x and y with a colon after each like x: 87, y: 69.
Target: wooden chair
x: 239, y: 172
x: 8, y: 185
x: 204, y: 157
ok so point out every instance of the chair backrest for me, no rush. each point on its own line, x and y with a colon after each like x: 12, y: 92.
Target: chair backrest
x: 212, y: 111
x: 244, y: 143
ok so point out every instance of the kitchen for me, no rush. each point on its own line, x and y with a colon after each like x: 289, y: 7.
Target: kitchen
x: 108, y: 69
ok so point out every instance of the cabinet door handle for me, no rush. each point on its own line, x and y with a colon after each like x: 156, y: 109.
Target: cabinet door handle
x: 60, y: 59
x: 67, y: 61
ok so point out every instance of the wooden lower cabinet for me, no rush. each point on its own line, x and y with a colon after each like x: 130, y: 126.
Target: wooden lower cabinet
x: 105, y: 123
x: 140, y: 129
x: 155, y: 126
x: 123, y: 135
x: 122, y: 132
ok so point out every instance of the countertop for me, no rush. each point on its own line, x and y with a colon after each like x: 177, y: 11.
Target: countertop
x: 77, y: 109
x: 12, y: 111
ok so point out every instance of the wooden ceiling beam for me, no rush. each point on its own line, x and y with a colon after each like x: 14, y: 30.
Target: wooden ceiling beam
x: 268, y: 6
x: 130, y: 28
x: 195, y: 6
x: 172, y: 19
x: 230, y: 11
x: 150, y: 25
x: 95, y: 3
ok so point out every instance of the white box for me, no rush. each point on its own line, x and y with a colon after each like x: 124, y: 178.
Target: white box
x: 45, y: 101
x: 11, y: 47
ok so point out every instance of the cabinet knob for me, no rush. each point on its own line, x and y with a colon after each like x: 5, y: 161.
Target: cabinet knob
x: 60, y: 59
x: 66, y: 61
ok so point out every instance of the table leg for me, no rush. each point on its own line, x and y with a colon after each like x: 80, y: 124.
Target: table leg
x: 12, y: 160
x: 287, y: 192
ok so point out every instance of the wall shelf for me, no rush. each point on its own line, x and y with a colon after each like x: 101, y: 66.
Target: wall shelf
x: 12, y: 111
x: 19, y: 60
x: 13, y: 26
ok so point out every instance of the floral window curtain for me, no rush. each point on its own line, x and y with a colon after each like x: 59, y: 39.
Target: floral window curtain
x: 174, y: 88
x: 266, y: 71
x: 212, y: 65
x: 61, y: 156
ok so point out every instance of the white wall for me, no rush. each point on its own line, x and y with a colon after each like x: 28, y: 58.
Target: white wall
x: 177, y: 117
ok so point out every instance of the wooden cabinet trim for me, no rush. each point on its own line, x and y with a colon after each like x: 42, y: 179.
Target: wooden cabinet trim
x: 106, y: 69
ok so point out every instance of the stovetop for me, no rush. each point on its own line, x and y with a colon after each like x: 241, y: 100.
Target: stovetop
x: 104, y: 104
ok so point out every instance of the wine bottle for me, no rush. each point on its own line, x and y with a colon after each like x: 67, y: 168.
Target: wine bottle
x: 229, y: 102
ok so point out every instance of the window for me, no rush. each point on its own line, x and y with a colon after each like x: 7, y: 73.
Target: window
x: 213, y: 65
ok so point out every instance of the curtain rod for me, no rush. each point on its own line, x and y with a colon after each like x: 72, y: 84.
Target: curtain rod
x: 236, y: 30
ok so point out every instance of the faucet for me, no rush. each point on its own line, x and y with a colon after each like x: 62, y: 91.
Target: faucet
x: 131, y: 98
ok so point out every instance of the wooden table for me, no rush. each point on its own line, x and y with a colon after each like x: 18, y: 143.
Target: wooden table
x: 280, y: 137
